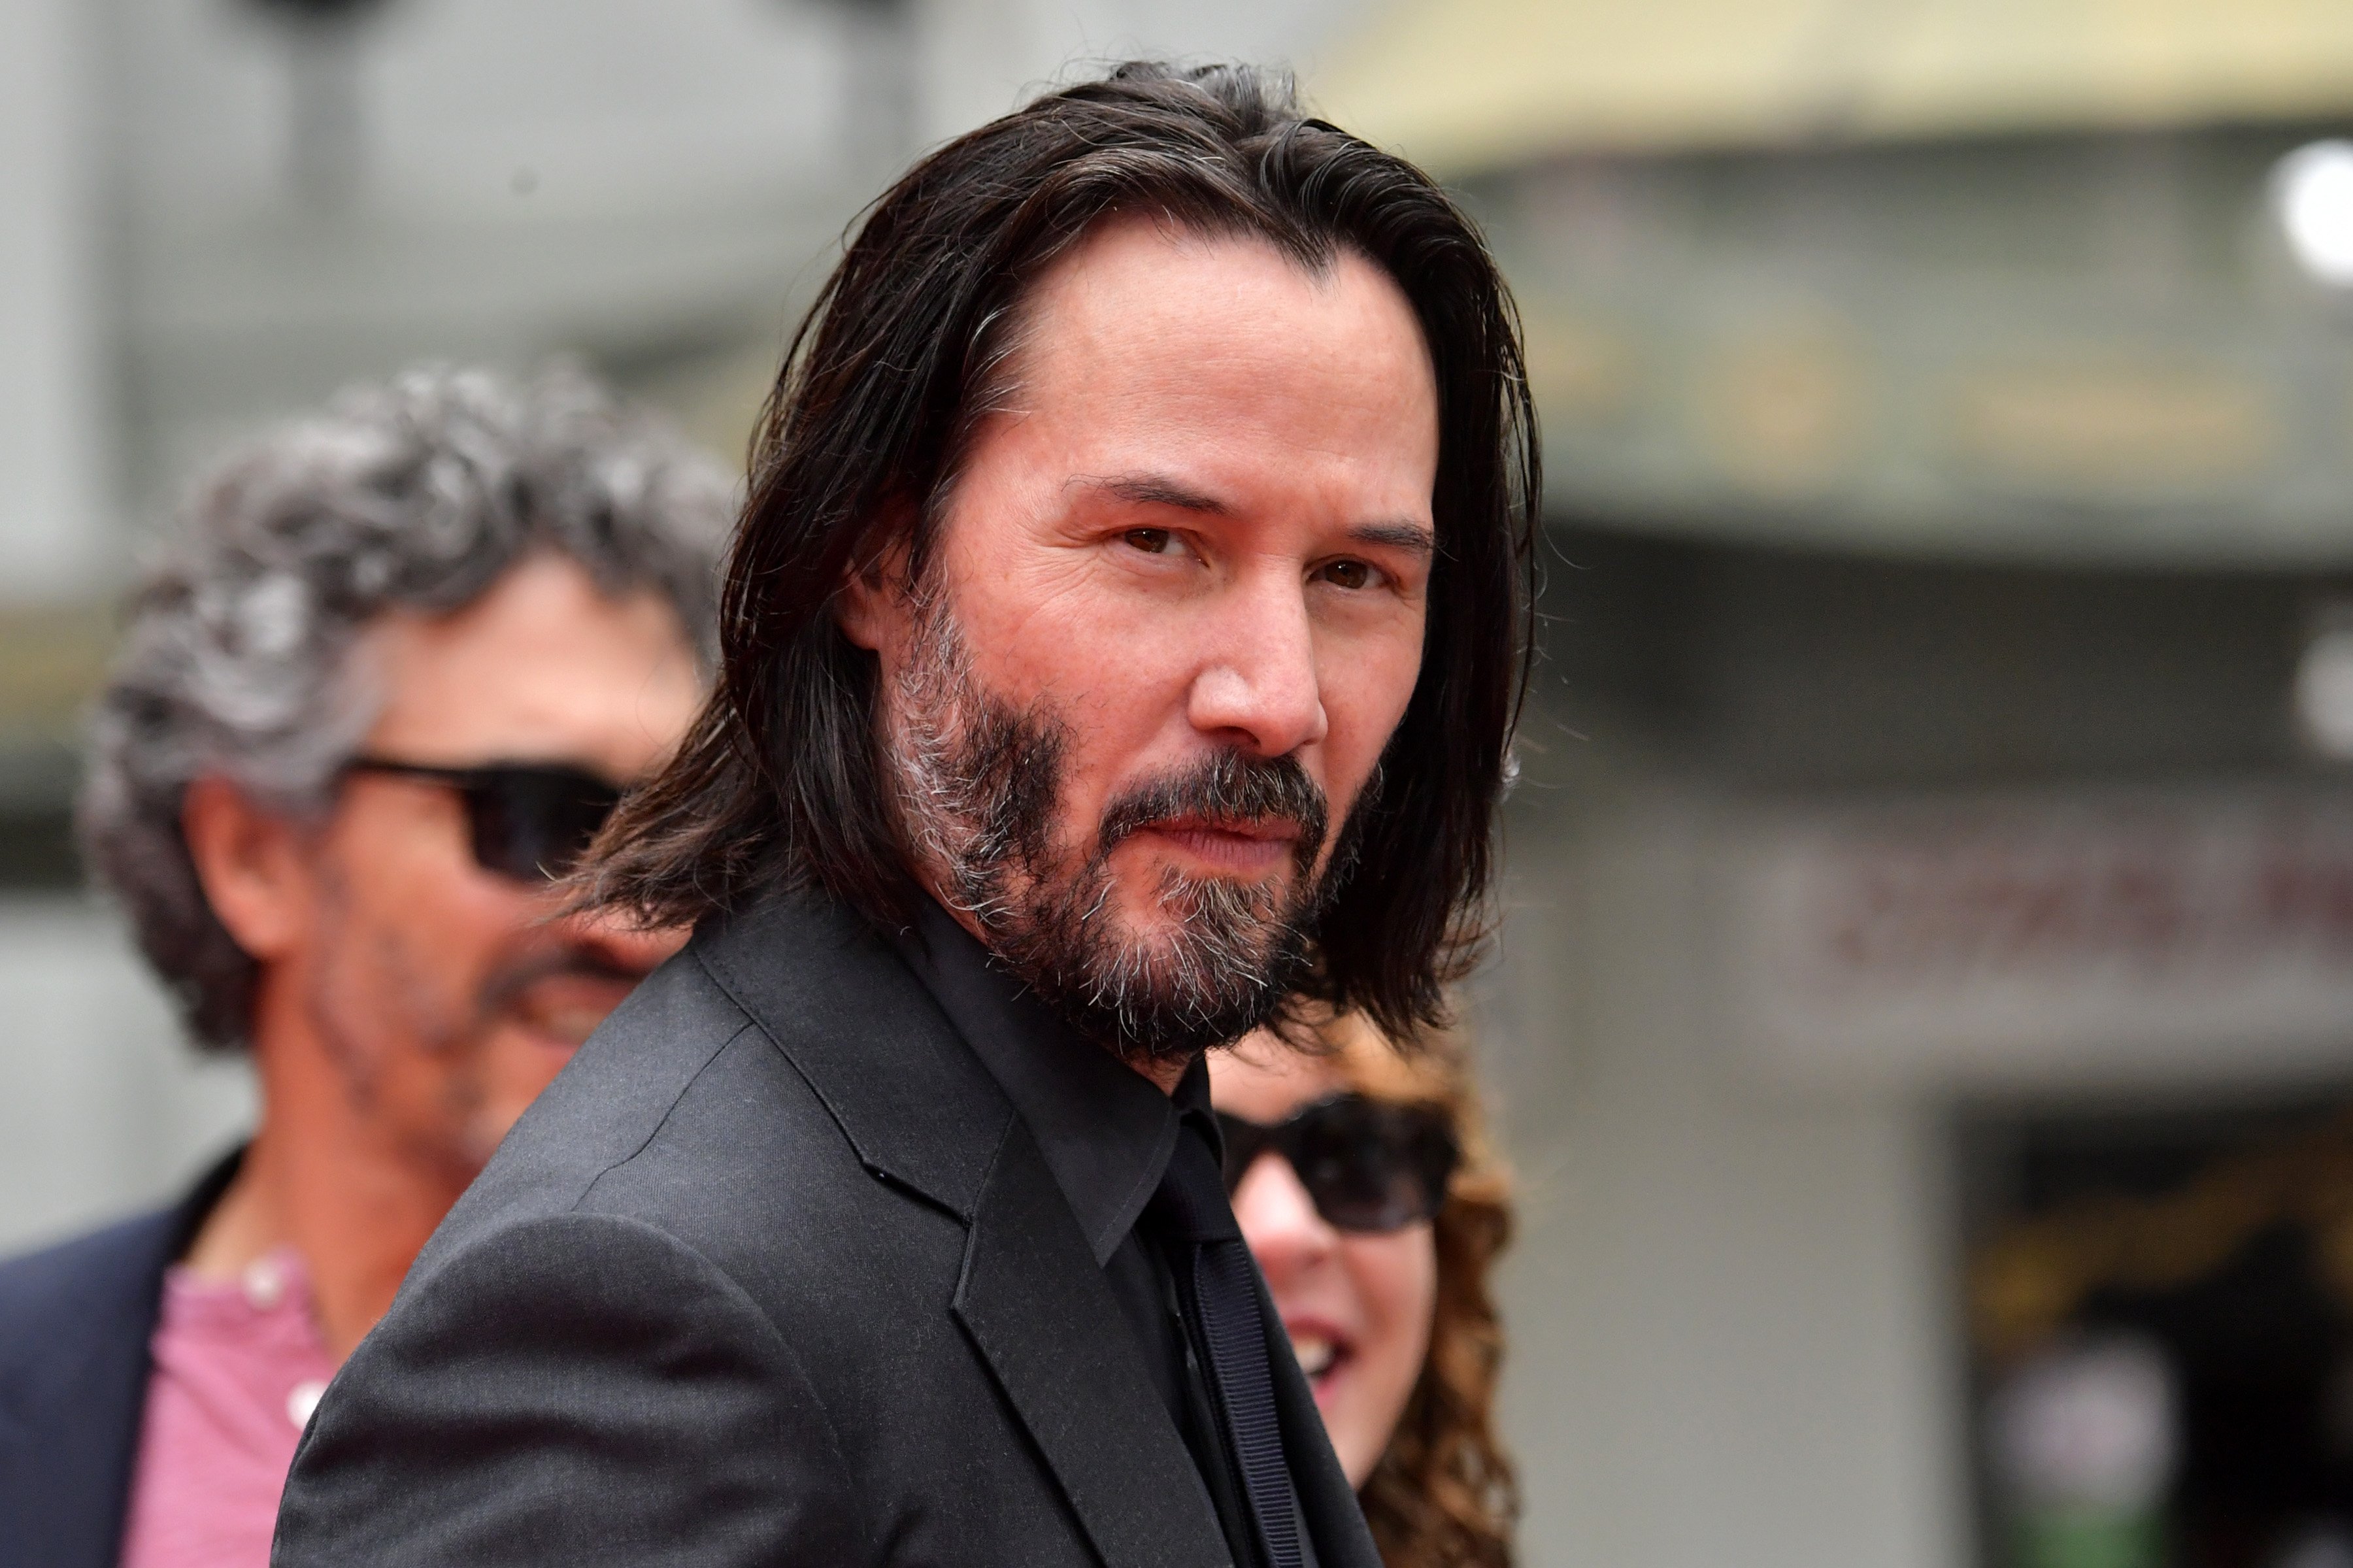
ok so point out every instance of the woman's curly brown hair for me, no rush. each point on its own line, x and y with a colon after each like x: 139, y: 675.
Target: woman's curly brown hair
x: 1444, y: 1494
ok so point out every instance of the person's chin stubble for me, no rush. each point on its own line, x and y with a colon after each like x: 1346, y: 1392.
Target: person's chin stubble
x: 980, y: 787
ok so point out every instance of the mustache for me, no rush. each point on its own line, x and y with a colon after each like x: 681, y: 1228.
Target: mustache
x: 1232, y: 786
x: 568, y: 964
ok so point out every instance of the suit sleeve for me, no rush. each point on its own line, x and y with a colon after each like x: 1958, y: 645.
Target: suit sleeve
x: 565, y: 1391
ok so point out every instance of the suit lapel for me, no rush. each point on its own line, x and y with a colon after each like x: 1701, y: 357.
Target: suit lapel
x: 65, y: 1474
x: 73, y: 1389
x: 1043, y: 1316
x: 919, y: 1108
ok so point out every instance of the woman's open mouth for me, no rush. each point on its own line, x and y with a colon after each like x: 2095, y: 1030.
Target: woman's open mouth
x: 1320, y: 1352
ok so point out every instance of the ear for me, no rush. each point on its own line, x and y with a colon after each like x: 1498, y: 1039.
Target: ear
x: 253, y: 866
x: 872, y: 607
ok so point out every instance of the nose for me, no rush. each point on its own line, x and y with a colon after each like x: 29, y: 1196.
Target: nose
x: 1261, y: 689
x: 1279, y: 1220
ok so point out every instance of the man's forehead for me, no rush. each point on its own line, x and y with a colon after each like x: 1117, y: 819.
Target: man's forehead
x: 543, y: 665
x: 1221, y: 378
x: 1139, y: 276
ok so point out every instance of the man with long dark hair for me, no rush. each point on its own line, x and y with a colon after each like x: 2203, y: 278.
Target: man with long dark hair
x: 1121, y: 648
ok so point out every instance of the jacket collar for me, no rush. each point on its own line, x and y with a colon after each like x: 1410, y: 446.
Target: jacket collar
x: 917, y: 1106
x: 1105, y: 1130
x: 923, y: 1113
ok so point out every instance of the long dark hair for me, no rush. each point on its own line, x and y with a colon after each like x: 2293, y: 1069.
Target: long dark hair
x: 779, y: 785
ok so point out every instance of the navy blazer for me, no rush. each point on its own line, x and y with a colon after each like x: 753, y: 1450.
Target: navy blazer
x: 75, y: 1322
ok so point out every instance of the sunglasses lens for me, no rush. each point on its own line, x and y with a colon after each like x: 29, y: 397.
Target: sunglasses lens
x: 533, y: 823
x: 1372, y: 1167
x: 1244, y: 1142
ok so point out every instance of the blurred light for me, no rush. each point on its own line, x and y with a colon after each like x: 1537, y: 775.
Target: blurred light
x: 2323, y: 690
x: 2324, y: 1547
x: 2089, y: 1426
x: 2313, y: 190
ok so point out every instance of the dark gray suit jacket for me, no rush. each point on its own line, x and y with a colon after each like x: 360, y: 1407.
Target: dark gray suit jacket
x: 772, y: 1274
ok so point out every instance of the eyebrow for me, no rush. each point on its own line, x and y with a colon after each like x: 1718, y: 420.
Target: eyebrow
x: 1155, y: 489
x: 1409, y: 536
x: 1152, y: 490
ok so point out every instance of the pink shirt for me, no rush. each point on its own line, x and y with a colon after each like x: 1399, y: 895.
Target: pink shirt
x: 238, y: 1368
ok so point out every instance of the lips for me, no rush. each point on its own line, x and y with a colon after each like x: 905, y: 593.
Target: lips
x: 1245, y: 847
x: 1273, y: 829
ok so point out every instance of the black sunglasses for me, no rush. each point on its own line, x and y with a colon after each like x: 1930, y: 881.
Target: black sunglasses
x: 1370, y: 1165
x: 527, y: 821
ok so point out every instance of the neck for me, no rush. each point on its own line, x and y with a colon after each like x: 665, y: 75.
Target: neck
x: 322, y: 1176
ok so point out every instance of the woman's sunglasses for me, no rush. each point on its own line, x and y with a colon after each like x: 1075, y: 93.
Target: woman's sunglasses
x: 1370, y: 1165
x: 526, y: 821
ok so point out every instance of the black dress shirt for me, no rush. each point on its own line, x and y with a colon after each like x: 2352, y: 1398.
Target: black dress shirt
x: 1106, y: 1133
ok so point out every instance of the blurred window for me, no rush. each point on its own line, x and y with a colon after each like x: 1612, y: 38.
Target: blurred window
x: 2160, y: 1305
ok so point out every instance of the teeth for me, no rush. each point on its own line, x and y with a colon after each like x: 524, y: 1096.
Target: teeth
x: 1315, y: 1353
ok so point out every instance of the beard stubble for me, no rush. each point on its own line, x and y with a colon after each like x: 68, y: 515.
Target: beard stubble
x: 979, y: 784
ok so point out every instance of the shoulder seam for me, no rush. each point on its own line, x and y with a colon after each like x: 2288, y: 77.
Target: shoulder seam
x: 792, y: 1062
x: 668, y: 1112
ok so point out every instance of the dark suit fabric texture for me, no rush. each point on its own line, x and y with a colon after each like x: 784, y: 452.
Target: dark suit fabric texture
x: 76, y: 1322
x: 773, y: 1273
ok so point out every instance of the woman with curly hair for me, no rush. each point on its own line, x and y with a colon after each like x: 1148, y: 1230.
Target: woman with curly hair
x: 1363, y: 1185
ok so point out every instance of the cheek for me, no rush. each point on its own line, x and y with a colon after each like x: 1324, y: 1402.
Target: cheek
x: 1367, y: 683
x: 1396, y: 1279
x: 1116, y: 679
x: 424, y: 922
x: 1086, y: 653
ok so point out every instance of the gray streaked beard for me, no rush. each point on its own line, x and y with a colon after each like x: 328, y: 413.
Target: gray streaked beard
x: 979, y: 786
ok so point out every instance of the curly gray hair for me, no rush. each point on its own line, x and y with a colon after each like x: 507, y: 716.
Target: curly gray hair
x: 415, y: 495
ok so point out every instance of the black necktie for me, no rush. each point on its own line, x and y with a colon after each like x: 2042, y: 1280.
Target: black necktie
x: 1220, y: 1294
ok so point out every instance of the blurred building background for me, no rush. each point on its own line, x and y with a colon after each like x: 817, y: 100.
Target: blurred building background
x: 1924, y: 1024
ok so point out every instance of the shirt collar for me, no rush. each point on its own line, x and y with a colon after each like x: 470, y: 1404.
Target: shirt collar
x: 1105, y: 1129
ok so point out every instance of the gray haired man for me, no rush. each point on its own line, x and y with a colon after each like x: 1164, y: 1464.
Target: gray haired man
x: 386, y: 686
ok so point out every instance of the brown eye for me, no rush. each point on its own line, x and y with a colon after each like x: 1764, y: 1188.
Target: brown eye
x: 1348, y: 574
x: 1151, y: 540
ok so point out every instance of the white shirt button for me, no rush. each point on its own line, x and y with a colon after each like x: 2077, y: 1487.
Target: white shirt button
x: 300, y: 1403
x: 264, y: 1283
